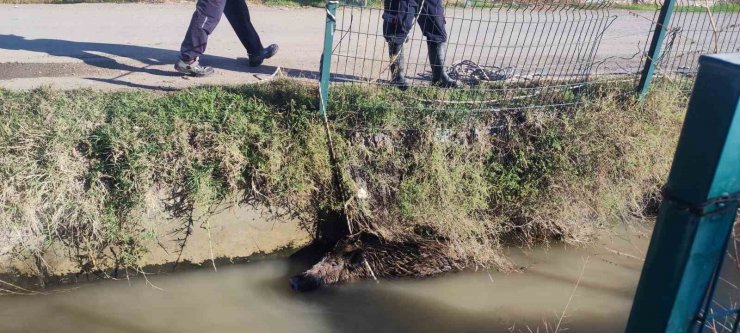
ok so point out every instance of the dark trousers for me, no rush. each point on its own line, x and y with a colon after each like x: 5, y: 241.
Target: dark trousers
x: 205, y: 19
x: 398, y: 19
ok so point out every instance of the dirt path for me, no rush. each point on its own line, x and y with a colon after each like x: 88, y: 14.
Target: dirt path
x: 114, y: 46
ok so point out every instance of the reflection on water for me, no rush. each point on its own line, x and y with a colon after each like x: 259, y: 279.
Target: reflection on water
x: 256, y: 298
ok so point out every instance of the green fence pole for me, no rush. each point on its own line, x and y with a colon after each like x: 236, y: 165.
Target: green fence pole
x: 699, y: 206
x: 325, y: 68
x: 656, y: 44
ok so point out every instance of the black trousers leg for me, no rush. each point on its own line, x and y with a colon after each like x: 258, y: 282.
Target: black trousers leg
x: 205, y: 19
x: 432, y: 21
x: 398, y: 17
x: 237, y: 13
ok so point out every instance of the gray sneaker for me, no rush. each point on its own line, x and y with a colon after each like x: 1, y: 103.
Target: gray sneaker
x: 193, y: 69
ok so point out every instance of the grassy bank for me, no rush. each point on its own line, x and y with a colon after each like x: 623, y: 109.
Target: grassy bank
x: 714, y: 8
x: 79, y: 169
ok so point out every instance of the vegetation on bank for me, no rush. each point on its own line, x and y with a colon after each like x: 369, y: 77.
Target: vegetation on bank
x: 727, y: 7
x: 80, y: 169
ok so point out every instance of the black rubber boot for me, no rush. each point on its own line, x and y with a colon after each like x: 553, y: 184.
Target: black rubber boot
x: 398, y: 72
x: 437, y: 61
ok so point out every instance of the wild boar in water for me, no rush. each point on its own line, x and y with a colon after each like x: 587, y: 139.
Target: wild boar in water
x: 365, y: 255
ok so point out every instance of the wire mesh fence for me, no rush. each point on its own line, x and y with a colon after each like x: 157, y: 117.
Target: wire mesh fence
x: 501, y: 55
x: 721, y: 311
x: 697, y: 27
x: 511, y: 55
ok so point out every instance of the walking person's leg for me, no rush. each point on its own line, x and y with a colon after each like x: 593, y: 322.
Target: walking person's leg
x: 237, y: 12
x: 397, y: 22
x: 205, y: 19
x: 432, y: 24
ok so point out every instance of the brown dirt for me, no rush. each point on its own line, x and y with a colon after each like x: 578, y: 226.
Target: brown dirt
x: 236, y: 235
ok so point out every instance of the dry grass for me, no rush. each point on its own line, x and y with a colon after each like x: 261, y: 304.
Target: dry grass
x: 81, y: 169
x: 523, y: 177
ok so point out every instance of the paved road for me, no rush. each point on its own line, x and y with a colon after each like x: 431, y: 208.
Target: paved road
x: 110, y: 46
x: 114, y: 46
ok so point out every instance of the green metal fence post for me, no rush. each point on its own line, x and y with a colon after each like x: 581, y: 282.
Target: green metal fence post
x: 699, y: 206
x: 656, y: 44
x: 325, y: 68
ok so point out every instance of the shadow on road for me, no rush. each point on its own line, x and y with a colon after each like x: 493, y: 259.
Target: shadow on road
x: 103, y: 55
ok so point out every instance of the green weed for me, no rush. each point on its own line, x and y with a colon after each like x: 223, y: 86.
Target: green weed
x: 81, y: 168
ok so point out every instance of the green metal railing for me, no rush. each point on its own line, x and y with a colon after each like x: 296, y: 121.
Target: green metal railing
x: 699, y: 208
x: 682, y: 31
x: 656, y: 44
x: 325, y: 68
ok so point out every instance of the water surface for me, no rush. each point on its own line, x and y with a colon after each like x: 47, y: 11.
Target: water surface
x: 255, y: 297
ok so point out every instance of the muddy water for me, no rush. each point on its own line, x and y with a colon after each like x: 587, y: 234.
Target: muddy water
x: 255, y: 297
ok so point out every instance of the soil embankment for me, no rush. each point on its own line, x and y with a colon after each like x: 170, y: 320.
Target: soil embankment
x: 115, y: 181
x: 236, y: 235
